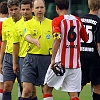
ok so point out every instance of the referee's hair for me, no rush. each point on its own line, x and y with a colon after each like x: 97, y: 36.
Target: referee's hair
x: 94, y: 4
x: 3, y: 7
x: 13, y: 2
x: 26, y: 2
x: 62, y: 4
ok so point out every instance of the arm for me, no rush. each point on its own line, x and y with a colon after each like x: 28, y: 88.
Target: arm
x: 3, y: 47
x: 55, y: 47
x: 57, y: 39
x: 29, y: 39
x: 83, y: 33
x: 98, y: 38
x: 98, y: 46
x: 15, y: 57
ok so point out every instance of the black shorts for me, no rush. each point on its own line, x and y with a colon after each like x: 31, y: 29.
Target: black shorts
x: 86, y: 60
x: 86, y: 74
x: 95, y: 76
x: 90, y: 65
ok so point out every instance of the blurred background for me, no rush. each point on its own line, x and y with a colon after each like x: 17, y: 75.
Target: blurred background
x: 77, y: 7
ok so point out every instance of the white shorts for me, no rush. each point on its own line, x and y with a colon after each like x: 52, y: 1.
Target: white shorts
x: 1, y: 78
x: 70, y: 81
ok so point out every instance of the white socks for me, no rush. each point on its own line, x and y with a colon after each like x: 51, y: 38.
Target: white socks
x: 48, y: 98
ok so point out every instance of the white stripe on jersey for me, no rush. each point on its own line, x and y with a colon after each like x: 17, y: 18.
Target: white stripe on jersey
x: 2, y: 19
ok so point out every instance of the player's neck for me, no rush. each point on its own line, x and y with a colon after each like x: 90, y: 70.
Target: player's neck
x: 3, y: 15
x: 28, y: 18
x: 63, y: 12
x: 39, y: 18
x: 17, y: 18
x: 94, y: 12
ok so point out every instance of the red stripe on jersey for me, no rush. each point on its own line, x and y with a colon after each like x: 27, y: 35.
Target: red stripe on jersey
x: 63, y: 54
x: 71, y: 49
x: 1, y: 90
x: 0, y: 27
x: 78, y: 43
x: 0, y: 33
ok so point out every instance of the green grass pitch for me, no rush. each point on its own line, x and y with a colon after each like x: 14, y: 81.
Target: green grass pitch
x: 58, y: 95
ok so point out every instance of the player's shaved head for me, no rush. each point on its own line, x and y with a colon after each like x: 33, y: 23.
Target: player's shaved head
x: 37, y: 0
x: 94, y: 4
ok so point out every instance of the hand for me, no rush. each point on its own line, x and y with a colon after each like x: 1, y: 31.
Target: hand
x: 36, y: 41
x: 52, y: 63
x: 1, y: 67
x: 15, y: 68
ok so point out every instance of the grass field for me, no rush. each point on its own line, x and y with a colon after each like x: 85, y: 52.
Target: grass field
x: 58, y: 95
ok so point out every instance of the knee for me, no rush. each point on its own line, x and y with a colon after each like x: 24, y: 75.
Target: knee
x: 7, y: 86
x: 96, y: 89
x: 26, y: 92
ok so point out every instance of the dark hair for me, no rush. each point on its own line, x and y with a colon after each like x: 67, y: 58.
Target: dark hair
x: 3, y: 7
x: 26, y: 2
x: 13, y: 2
x: 62, y: 4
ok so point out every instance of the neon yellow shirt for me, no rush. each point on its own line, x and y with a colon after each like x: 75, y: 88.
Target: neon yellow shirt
x: 35, y: 29
x: 18, y: 37
x: 8, y: 29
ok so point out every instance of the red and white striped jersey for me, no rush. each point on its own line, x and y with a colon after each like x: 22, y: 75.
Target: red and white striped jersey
x: 1, y: 20
x: 71, y: 29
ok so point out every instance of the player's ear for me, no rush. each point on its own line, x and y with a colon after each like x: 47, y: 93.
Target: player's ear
x: 57, y: 8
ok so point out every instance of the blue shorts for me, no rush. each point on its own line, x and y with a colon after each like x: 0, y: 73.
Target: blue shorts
x: 35, y: 68
x: 8, y: 74
x: 21, y: 63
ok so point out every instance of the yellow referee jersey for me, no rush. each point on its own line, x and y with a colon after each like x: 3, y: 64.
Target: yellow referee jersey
x: 35, y: 29
x: 18, y: 37
x: 8, y: 29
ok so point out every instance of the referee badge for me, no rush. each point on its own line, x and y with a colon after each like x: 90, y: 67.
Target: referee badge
x: 24, y: 30
x: 48, y: 36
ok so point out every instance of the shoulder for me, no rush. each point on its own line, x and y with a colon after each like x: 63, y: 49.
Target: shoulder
x: 49, y: 20
x: 2, y: 19
x: 29, y: 22
x: 7, y: 20
x: 59, y: 18
x: 20, y: 21
x: 77, y: 18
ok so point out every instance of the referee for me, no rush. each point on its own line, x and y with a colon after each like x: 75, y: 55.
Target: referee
x: 38, y: 32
